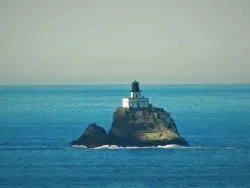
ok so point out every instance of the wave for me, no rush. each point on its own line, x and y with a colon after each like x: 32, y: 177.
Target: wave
x: 131, y: 147
x: 110, y: 147
x: 134, y: 147
x: 79, y: 146
x: 171, y: 146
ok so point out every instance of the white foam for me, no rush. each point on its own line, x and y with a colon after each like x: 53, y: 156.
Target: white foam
x: 79, y: 146
x: 170, y: 146
x: 136, y: 147
x: 107, y: 147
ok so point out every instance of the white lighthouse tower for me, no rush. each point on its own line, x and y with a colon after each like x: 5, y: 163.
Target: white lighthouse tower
x: 135, y: 100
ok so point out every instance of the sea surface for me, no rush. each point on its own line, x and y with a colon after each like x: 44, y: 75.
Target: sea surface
x: 37, y: 123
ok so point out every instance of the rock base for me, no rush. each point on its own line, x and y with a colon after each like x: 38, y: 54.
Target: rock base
x: 134, y: 127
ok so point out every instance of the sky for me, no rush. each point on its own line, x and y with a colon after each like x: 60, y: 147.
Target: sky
x: 116, y: 41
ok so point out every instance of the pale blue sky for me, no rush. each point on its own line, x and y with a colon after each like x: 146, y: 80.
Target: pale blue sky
x: 114, y: 41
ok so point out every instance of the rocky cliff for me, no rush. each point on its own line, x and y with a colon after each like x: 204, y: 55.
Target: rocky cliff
x: 134, y: 127
x: 93, y: 136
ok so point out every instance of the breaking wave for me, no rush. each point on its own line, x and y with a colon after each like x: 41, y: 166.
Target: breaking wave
x: 131, y: 147
x: 79, y: 146
x: 172, y: 146
x: 134, y: 147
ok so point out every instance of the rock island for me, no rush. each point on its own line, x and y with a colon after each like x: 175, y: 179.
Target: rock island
x: 136, y: 123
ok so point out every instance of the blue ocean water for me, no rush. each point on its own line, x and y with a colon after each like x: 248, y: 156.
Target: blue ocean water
x: 38, y: 122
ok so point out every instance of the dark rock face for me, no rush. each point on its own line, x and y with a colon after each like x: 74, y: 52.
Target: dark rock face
x: 134, y: 127
x: 143, y: 127
x: 93, y: 136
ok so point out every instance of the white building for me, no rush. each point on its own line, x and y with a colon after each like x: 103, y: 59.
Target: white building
x: 135, y: 100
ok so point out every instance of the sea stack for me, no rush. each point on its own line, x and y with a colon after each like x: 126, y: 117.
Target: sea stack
x: 136, y: 123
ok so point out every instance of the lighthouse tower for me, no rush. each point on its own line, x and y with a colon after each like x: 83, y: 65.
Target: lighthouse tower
x: 135, y: 100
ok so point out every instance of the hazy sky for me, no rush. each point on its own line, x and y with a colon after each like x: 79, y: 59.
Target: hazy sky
x: 115, y: 41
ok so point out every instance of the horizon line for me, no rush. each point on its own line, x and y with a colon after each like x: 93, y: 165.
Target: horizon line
x: 93, y: 84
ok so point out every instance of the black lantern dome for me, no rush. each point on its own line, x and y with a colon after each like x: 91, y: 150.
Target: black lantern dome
x: 135, y: 86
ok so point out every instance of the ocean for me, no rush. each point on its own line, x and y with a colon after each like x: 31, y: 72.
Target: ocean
x: 37, y: 123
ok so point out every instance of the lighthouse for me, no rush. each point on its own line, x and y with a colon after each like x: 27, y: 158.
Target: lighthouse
x: 136, y: 100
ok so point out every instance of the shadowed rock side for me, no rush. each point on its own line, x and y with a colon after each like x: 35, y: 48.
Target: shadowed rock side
x: 93, y: 136
x: 134, y: 127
